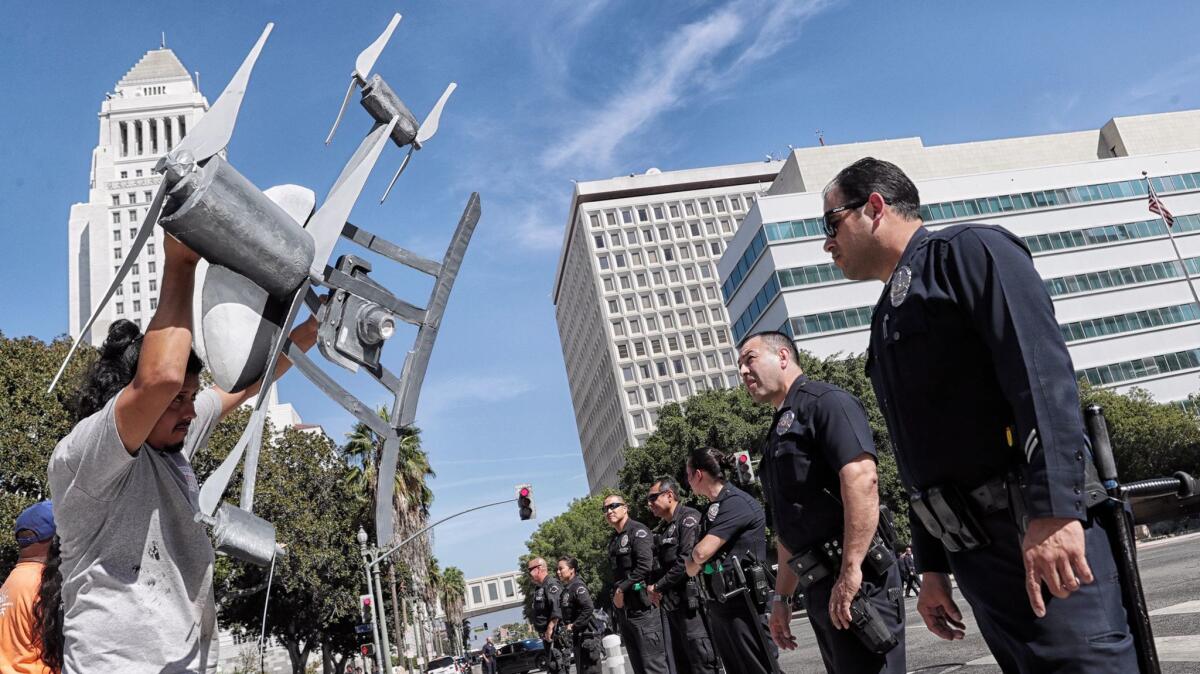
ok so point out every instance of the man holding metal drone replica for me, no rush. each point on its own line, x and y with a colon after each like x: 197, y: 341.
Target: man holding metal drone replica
x: 130, y: 512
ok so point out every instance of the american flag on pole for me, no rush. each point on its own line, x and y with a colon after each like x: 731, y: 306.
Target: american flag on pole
x: 1156, y: 206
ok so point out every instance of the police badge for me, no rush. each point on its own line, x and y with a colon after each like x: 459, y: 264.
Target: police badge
x: 785, y: 422
x: 901, y: 280
x: 624, y: 540
x: 713, y: 510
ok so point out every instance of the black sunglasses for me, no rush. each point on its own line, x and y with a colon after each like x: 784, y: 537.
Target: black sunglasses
x: 535, y: 566
x: 612, y: 506
x: 653, y: 496
x: 831, y: 225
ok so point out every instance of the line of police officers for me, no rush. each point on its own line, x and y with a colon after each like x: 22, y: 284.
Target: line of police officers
x: 980, y: 398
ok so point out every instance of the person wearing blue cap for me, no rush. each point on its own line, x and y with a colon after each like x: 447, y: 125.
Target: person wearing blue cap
x: 20, y: 634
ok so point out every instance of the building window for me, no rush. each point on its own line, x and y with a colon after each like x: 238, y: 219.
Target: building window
x: 133, y: 232
x: 618, y: 328
x: 508, y: 588
x: 735, y: 203
x: 116, y: 199
x: 635, y: 326
x: 477, y: 594
x: 677, y: 364
x: 613, y: 308
x: 629, y: 304
x: 124, y: 175
x: 599, y: 239
x: 674, y: 211
x: 639, y: 348
x: 658, y: 213
x: 626, y: 373
x: 638, y: 421
x: 608, y: 284
x: 631, y: 396
x: 603, y: 261
x: 120, y: 308
x: 153, y: 285
x: 132, y: 197
x: 147, y: 196
x: 116, y: 253
x: 595, y: 220
x: 151, y: 267
x: 705, y: 208
x: 622, y: 350
x: 150, y: 248
x: 136, y: 287
x: 116, y: 235
x: 684, y: 389
x: 689, y: 209
x: 138, y: 174
x: 116, y: 217
x: 627, y: 216
x: 668, y: 393
x: 137, y: 306
x: 133, y: 216
x: 493, y: 595
x: 642, y: 215
x: 620, y: 259
x: 661, y: 368
x: 624, y: 282
x: 656, y: 347
x: 120, y: 291
x: 610, y: 217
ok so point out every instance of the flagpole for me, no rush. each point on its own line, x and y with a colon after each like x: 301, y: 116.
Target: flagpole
x: 1187, y: 277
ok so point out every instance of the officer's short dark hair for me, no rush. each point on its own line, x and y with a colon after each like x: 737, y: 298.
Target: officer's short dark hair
x: 776, y: 340
x: 667, y: 484
x: 571, y: 562
x: 710, y: 460
x: 858, y: 180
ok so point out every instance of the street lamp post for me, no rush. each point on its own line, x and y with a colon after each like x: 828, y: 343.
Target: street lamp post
x: 379, y: 629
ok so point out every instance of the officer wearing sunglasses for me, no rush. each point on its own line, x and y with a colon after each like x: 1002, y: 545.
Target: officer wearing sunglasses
x: 631, y: 557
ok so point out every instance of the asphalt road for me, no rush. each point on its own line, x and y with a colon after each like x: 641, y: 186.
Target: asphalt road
x: 1171, y: 579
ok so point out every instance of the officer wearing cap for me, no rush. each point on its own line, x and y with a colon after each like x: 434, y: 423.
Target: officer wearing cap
x: 20, y: 630
x: 631, y: 557
x: 547, y: 609
x: 671, y: 588
x: 819, y: 479
x: 979, y: 393
x: 734, y: 526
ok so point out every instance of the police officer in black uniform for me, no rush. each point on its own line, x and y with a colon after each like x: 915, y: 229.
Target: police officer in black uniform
x: 576, y: 605
x: 631, y: 557
x: 980, y: 396
x: 671, y: 589
x: 734, y: 526
x: 547, y: 611
x: 819, y: 479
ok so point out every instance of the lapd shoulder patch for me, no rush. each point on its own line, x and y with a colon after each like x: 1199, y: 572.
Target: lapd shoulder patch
x: 689, y: 521
x: 554, y: 589
x: 581, y: 590
x: 713, y: 510
x: 641, y: 533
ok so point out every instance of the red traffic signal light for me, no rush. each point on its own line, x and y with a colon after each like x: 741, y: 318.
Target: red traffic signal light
x: 525, y: 501
x: 368, y: 650
x: 743, y: 468
x: 743, y: 458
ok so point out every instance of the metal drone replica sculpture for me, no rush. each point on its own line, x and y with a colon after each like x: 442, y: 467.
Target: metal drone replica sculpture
x: 266, y: 254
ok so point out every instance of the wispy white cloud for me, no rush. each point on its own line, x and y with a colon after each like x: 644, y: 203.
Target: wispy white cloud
x: 1168, y: 82
x: 509, y: 459
x: 449, y: 393
x: 700, y: 57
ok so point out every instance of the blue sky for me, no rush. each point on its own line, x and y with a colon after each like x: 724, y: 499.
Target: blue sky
x: 548, y: 92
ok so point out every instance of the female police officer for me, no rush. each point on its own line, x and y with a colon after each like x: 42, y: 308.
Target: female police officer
x: 734, y: 526
x: 577, y: 617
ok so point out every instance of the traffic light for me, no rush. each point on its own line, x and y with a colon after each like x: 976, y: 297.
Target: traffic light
x: 743, y: 469
x: 368, y: 650
x: 364, y: 605
x: 525, y: 501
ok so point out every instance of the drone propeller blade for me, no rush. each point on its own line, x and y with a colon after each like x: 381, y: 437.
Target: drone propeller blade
x: 342, y: 110
x: 430, y: 125
x: 403, y: 165
x: 214, y: 487
x: 366, y: 59
x: 214, y: 130
x: 130, y: 258
x: 326, y: 224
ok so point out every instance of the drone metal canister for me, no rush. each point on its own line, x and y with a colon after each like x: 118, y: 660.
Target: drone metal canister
x: 383, y: 104
x: 222, y: 216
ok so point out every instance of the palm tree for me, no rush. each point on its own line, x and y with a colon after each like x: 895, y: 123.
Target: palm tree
x: 454, y: 592
x: 410, y: 502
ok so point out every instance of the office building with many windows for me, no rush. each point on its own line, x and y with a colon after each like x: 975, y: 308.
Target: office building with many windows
x: 637, y: 301
x: 147, y: 114
x: 1079, y: 202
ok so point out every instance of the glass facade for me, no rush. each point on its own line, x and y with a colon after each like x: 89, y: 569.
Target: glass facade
x: 1094, y: 236
x: 829, y: 321
x: 1129, y: 370
x: 784, y: 278
x: 1137, y: 320
x: 1123, y: 276
x: 759, y: 304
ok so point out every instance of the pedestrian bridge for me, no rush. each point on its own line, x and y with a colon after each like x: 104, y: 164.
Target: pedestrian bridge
x: 492, y: 593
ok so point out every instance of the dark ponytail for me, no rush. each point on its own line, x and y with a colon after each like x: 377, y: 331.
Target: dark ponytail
x: 710, y: 460
x: 48, y: 611
x: 115, y: 368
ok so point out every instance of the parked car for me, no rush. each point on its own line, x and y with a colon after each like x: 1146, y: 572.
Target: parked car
x: 444, y: 665
x: 520, y: 657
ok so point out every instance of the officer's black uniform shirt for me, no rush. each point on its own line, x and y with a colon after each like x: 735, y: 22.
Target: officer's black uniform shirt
x: 738, y: 519
x: 973, y: 376
x: 674, y: 548
x: 818, y: 430
x: 546, y: 605
x: 631, y: 555
x: 576, y: 606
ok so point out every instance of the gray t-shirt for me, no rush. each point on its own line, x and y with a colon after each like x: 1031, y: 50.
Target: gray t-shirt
x: 137, y: 569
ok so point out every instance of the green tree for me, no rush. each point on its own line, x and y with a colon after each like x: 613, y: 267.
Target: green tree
x: 1149, y: 439
x: 32, y: 422
x: 580, y: 532
x: 454, y: 592
x: 313, y: 599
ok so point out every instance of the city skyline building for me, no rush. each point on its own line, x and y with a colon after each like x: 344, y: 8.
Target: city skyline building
x: 637, y: 303
x: 1079, y: 202
x: 146, y: 114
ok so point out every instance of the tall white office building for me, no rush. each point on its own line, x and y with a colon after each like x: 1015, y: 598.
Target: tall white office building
x: 637, y: 301
x: 1077, y: 199
x: 147, y: 113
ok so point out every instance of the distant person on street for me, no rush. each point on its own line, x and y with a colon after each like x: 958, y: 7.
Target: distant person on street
x: 488, y: 658
x: 908, y: 572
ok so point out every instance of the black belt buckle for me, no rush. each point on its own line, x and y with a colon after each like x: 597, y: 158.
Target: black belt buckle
x: 948, y: 516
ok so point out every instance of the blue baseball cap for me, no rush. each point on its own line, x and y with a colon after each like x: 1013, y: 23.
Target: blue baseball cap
x: 38, y: 518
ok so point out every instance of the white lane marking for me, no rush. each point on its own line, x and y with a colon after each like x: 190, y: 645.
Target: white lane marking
x: 1185, y: 648
x: 1175, y: 609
